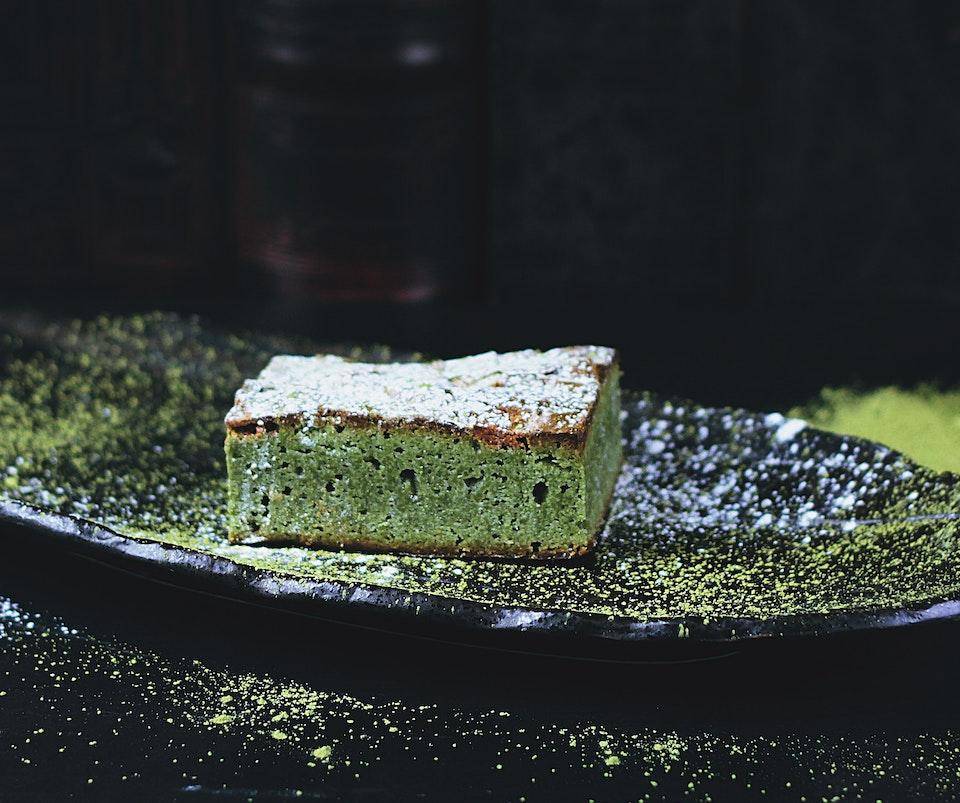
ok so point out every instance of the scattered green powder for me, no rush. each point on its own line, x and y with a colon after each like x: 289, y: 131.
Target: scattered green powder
x: 923, y: 423
x: 718, y: 512
x: 79, y: 399
x: 342, y: 738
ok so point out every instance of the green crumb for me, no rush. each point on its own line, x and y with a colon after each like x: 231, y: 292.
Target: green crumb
x: 220, y: 719
x: 278, y: 735
x: 226, y: 698
x: 394, y: 484
x: 923, y: 423
x: 322, y: 753
x: 612, y: 761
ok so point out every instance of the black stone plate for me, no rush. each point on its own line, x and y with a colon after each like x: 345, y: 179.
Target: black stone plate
x: 726, y: 525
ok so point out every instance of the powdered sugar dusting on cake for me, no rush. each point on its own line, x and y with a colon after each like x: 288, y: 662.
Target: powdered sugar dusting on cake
x: 521, y: 392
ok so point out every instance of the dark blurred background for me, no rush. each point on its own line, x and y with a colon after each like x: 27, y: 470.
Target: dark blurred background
x: 750, y: 198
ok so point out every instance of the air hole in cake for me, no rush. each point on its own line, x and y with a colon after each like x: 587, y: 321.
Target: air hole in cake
x: 287, y: 490
x: 330, y: 486
x: 373, y: 461
x: 270, y: 426
x: 338, y: 427
x: 399, y: 450
x: 386, y: 434
x: 535, y: 546
x: 540, y: 492
x: 475, y: 445
x: 470, y: 481
x: 265, y: 501
x: 564, y: 487
x: 299, y: 471
x: 409, y: 476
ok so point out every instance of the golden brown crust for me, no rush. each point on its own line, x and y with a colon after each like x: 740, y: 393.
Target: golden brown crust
x: 551, y: 435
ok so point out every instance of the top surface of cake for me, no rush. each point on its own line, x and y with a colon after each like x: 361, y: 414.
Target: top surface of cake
x: 517, y: 394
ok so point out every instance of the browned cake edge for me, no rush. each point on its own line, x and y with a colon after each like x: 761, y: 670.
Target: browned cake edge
x: 575, y: 439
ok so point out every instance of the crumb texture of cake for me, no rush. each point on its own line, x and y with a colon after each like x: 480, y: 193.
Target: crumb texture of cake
x: 497, y: 454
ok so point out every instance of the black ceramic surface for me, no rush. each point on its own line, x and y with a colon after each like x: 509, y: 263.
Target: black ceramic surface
x: 725, y: 525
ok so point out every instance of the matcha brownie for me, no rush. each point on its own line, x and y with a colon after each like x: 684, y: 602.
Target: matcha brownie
x: 497, y: 454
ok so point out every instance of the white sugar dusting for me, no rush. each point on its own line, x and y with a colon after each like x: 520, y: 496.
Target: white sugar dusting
x: 789, y: 429
x: 733, y: 471
x: 522, y: 391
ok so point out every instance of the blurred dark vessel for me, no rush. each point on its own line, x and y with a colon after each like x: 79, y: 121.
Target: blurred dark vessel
x: 356, y: 148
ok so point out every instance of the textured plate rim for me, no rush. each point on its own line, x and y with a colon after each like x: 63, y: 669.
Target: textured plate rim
x: 337, y: 601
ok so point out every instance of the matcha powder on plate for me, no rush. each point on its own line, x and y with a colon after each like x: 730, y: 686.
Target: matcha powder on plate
x: 923, y: 423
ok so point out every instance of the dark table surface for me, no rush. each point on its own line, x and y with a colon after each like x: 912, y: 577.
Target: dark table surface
x: 113, y: 685
x: 116, y: 687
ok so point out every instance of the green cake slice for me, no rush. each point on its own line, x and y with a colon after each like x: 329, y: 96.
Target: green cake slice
x: 496, y: 454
